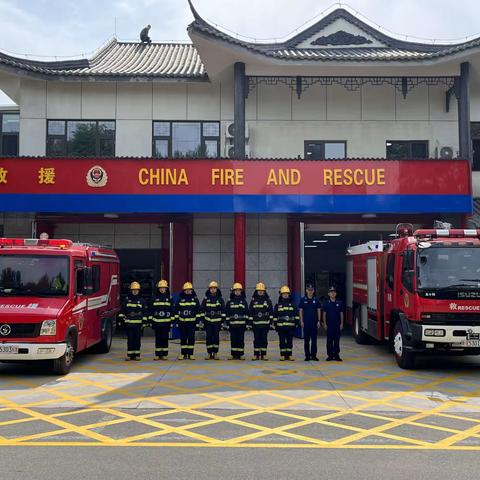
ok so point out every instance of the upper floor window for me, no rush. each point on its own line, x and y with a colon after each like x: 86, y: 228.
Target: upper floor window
x: 476, y: 146
x: 408, y: 149
x: 9, y: 128
x: 325, y: 150
x: 186, y: 139
x: 81, y: 138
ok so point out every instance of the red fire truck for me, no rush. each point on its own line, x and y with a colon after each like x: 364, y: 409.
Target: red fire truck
x: 57, y: 298
x: 420, y: 292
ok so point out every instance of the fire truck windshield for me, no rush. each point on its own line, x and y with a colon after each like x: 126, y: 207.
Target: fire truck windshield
x: 448, y: 268
x: 34, y: 275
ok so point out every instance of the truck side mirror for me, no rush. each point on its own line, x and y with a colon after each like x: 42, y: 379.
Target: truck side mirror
x: 80, y: 278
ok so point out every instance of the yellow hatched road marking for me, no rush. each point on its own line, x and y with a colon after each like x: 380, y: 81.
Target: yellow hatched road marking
x: 346, y: 409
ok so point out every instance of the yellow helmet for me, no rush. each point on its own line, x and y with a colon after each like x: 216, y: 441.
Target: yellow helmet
x: 162, y: 284
x: 237, y: 286
x: 285, y: 289
x: 260, y: 286
x: 134, y: 286
x: 187, y: 286
x: 213, y: 285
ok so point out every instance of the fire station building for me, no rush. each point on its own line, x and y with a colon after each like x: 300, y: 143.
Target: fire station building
x: 238, y: 160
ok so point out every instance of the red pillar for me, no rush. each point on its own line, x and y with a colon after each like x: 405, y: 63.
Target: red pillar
x: 181, y: 257
x: 240, y: 241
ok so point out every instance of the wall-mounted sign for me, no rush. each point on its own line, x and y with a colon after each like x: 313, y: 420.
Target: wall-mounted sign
x: 142, y: 185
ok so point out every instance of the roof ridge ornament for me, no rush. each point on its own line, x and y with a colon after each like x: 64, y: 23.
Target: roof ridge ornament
x: 341, y: 37
x: 195, y: 14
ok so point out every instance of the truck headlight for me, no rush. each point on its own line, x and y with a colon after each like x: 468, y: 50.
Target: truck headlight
x: 49, y: 327
x: 434, y: 332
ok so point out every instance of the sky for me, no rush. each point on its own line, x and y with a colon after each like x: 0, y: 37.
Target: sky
x: 73, y: 27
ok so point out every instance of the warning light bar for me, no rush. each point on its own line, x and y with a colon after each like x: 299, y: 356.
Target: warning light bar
x: 35, y: 242
x: 453, y: 233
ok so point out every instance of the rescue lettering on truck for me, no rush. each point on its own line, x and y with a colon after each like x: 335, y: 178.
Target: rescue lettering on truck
x: 419, y: 292
x: 57, y: 298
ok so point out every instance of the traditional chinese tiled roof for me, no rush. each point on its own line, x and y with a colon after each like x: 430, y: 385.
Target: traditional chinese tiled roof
x: 294, y: 49
x: 119, y: 60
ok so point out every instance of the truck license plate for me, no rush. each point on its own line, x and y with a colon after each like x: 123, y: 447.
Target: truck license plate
x: 8, y: 349
x: 471, y: 343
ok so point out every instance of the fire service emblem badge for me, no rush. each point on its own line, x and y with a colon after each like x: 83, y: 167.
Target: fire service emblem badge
x: 97, y: 177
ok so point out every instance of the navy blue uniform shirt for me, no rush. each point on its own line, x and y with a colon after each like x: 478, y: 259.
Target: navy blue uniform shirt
x: 332, y: 312
x: 310, y: 307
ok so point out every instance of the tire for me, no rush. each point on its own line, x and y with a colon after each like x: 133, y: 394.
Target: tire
x: 107, y: 338
x: 360, y: 337
x: 62, y: 365
x: 404, y: 358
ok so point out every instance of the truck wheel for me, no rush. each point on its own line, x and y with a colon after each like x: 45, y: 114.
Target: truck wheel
x: 62, y: 365
x: 404, y: 358
x: 107, y: 338
x: 360, y: 337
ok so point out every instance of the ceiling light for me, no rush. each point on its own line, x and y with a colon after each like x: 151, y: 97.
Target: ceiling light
x: 369, y: 215
x: 393, y: 235
x: 110, y: 215
x: 310, y: 246
x: 332, y: 234
x: 320, y: 241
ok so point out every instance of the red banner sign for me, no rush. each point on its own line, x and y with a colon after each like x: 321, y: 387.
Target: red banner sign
x: 253, y: 177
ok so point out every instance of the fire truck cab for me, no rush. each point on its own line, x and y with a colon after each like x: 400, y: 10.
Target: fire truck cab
x: 57, y: 298
x: 419, y: 292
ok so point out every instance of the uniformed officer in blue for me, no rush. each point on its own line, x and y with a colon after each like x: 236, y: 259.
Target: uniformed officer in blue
x: 310, y: 317
x: 332, y: 320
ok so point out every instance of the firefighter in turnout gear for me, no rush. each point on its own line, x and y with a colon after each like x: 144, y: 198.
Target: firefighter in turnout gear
x: 261, y: 313
x: 161, y: 316
x: 188, y: 313
x: 135, y: 315
x: 286, y: 319
x: 236, y: 312
x: 213, y: 312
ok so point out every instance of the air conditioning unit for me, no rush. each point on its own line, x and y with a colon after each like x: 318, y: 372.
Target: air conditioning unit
x: 230, y: 131
x: 446, y: 153
x: 231, y: 151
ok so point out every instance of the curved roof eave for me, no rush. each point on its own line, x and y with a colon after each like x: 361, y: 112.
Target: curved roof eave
x: 427, y: 51
x: 117, y: 61
x: 354, y: 60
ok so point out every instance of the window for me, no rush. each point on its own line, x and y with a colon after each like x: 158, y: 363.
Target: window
x: 325, y: 150
x: 186, y: 139
x: 475, y: 128
x: 408, y: 270
x: 32, y: 275
x: 80, y: 138
x: 390, y: 271
x: 9, y: 128
x: 400, y: 150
